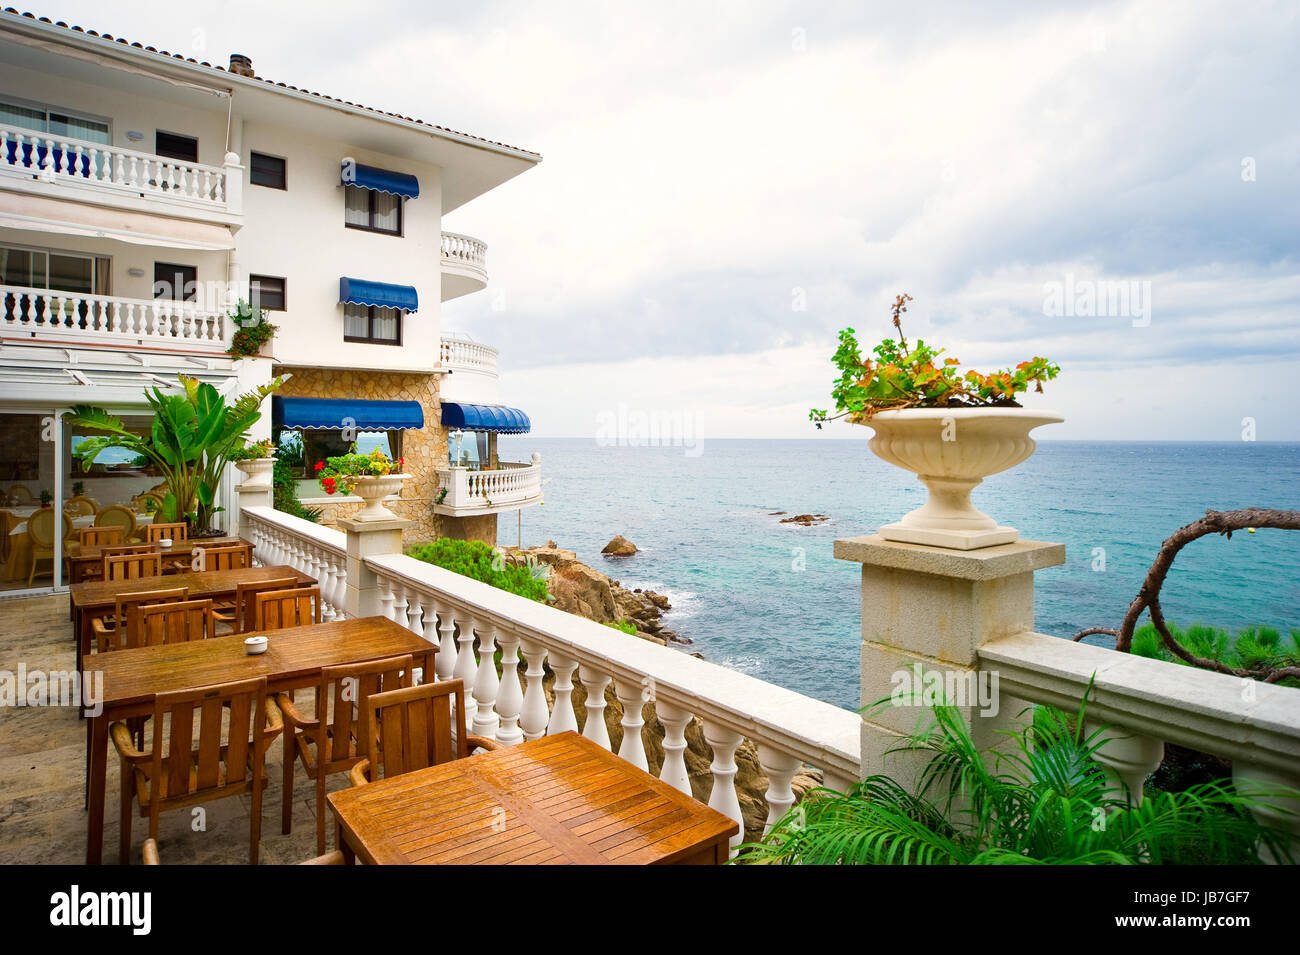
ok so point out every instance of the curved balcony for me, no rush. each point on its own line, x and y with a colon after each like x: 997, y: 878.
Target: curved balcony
x: 507, y: 488
x: 469, y: 369
x: 464, y: 265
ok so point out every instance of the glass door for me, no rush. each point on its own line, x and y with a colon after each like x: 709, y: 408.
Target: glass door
x: 33, y: 525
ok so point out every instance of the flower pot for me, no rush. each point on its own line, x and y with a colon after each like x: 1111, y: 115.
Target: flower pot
x: 952, y: 450
x: 257, y: 471
x: 373, y: 490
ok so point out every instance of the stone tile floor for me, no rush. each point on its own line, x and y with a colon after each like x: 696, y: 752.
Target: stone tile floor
x: 42, y: 774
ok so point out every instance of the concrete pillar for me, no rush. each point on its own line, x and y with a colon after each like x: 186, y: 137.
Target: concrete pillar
x: 368, y: 539
x: 925, y: 613
x: 255, y: 491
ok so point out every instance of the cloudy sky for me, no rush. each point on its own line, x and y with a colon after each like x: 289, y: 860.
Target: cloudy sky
x: 727, y: 184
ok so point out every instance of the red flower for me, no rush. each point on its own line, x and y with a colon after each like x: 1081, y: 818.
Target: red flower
x: 328, y: 484
x: 320, y: 465
x: 401, y: 462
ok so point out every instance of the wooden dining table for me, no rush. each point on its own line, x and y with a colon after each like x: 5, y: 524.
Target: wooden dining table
x: 293, y: 660
x: 554, y: 800
x: 84, y: 558
x: 98, y: 597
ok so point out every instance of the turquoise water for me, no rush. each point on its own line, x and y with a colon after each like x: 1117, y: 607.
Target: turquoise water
x: 768, y: 599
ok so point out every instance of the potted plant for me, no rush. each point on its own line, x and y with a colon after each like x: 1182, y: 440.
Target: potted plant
x: 952, y: 430
x: 78, y: 488
x: 46, y: 498
x: 372, y: 477
x: 253, y: 333
x: 256, y: 461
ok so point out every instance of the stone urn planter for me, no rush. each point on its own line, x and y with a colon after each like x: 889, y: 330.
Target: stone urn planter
x: 373, y: 490
x: 258, y: 472
x: 952, y: 450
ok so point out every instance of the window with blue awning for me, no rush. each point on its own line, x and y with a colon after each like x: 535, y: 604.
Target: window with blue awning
x: 380, y: 180
x: 497, y: 418
x: 381, y: 294
x: 340, y: 413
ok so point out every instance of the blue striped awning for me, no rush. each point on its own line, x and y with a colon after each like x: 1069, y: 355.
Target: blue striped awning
x: 485, y: 418
x: 380, y: 180
x: 383, y: 294
x: 330, y: 414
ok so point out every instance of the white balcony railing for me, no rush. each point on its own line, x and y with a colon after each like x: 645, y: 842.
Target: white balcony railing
x: 509, y: 487
x: 112, y: 169
x: 69, y: 317
x: 461, y: 353
x: 463, y: 616
x: 465, y: 251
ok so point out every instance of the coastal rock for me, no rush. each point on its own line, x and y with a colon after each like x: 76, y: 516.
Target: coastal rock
x: 620, y: 546
x: 805, y: 519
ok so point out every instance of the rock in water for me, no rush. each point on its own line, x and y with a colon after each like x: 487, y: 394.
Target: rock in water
x: 620, y: 546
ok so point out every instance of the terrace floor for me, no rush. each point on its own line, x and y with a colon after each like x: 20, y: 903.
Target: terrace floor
x: 42, y: 774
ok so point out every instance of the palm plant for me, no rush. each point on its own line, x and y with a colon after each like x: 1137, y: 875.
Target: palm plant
x: 194, y: 436
x: 1045, y: 801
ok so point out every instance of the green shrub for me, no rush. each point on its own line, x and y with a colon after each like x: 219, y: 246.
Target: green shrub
x: 478, y: 561
x: 1253, y: 648
x: 285, y: 493
x: 625, y: 625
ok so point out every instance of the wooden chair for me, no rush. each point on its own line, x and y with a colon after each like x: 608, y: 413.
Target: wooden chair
x: 188, y: 776
x: 80, y: 506
x: 176, y: 532
x: 111, y: 535
x: 122, y: 630
x: 130, y: 566
x: 342, y: 696
x: 240, y: 616
x: 280, y: 609
x: 226, y: 557
x: 8, y: 521
x: 175, y: 621
x: 21, y: 494
x: 40, y: 535
x: 115, y: 515
x: 149, y: 856
x: 415, y: 727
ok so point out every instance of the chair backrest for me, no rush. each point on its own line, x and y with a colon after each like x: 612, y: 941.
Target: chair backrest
x: 413, y: 727
x: 246, y: 604
x: 126, y: 632
x: 176, y: 621
x: 131, y: 566
x: 279, y: 609
x: 40, y: 527
x: 178, y: 532
x: 21, y: 494
x: 343, y: 697
x: 108, y: 536
x: 226, y: 557
x: 214, y: 766
x: 80, y: 505
x: 115, y: 515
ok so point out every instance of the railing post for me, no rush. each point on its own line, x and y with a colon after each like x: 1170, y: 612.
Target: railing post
x: 368, y: 539
x: 927, y: 610
x: 255, y: 491
x: 234, y: 184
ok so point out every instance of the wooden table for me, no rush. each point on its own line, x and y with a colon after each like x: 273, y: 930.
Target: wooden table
x: 557, y: 799
x: 293, y: 660
x: 83, y: 558
x: 97, y: 597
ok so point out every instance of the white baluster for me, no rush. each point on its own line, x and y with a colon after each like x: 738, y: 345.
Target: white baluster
x: 466, y: 665
x: 510, y: 698
x: 486, y: 684
x: 595, y: 682
x: 386, y: 597
x: 563, y: 716
x: 724, y: 741
x: 675, y: 720
x: 632, y: 696
x: 780, y: 768
x: 533, y: 716
x: 445, y: 661
x: 413, y: 613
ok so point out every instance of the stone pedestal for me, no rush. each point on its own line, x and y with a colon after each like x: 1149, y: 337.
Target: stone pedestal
x: 250, y: 494
x: 925, y: 613
x: 368, y: 539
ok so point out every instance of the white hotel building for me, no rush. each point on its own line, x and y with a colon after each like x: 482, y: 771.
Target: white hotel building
x: 143, y: 193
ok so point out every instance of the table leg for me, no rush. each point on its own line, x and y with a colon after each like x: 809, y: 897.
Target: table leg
x: 98, y: 772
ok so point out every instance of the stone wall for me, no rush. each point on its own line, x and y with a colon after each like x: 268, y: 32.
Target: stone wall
x: 424, y: 449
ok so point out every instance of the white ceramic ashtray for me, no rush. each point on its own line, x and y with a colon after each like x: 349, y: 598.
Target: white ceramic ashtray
x: 254, y: 645
x: 165, y: 542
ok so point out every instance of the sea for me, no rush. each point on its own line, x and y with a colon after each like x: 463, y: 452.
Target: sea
x: 768, y: 598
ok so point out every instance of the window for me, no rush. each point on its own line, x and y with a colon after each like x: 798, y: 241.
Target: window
x: 58, y: 271
x: 174, y: 146
x: 269, y: 171
x: 373, y: 324
x: 179, y: 282
x: 59, y: 122
x: 266, y: 292
x: 373, y: 211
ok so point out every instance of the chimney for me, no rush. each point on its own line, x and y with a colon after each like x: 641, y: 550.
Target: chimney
x: 241, y: 65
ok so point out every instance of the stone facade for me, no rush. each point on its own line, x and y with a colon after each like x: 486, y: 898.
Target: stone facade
x: 424, y: 449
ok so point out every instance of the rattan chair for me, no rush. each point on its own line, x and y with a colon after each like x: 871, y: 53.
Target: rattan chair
x: 40, y: 534
x: 115, y: 515
x: 80, y: 506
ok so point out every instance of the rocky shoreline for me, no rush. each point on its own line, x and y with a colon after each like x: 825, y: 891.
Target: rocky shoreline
x: 585, y: 591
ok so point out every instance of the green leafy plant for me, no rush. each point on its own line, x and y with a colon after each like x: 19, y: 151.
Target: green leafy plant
x: 476, y: 560
x: 1259, y: 649
x: 1046, y: 801
x: 344, y: 472
x: 252, y: 452
x: 78, y: 488
x: 914, y: 376
x: 192, y: 439
x: 252, y: 331
x: 624, y: 626
x: 150, y: 505
x: 442, y: 496
x: 46, y: 498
